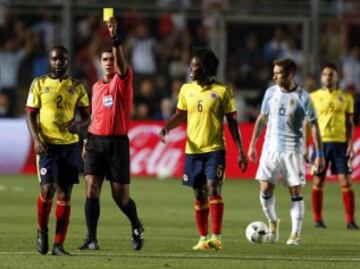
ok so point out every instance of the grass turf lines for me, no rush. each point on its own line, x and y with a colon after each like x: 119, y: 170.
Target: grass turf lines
x: 166, y: 209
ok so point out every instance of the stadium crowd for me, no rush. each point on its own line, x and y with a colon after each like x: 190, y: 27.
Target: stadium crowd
x: 159, y: 49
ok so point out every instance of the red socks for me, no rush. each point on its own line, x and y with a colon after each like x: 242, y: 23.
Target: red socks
x: 62, y: 220
x: 43, y: 213
x: 349, y: 203
x: 201, y: 216
x: 317, y: 203
x: 217, y: 212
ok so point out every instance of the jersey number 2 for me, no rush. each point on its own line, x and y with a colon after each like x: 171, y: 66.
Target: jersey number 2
x: 59, y: 99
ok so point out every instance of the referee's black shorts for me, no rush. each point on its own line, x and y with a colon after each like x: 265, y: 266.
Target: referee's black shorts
x: 108, y: 156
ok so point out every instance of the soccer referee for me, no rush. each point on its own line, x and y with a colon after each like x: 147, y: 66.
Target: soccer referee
x: 106, y: 153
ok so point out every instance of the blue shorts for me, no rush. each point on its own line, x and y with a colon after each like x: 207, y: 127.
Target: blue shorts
x: 335, y: 155
x: 202, y: 167
x: 60, y: 165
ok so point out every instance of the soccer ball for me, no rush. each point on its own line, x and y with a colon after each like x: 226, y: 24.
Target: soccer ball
x: 257, y: 232
x: 163, y: 173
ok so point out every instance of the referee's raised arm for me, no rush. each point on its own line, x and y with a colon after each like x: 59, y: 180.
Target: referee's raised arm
x: 119, y: 59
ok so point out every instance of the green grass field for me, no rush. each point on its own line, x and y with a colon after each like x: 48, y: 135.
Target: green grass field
x: 166, y: 209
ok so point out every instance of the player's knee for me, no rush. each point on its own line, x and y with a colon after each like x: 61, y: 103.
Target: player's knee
x: 48, y: 191
x: 266, y: 194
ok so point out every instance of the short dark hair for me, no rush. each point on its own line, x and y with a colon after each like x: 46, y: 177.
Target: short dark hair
x: 287, y: 64
x: 60, y: 48
x: 105, y: 50
x: 331, y: 66
x: 208, y: 60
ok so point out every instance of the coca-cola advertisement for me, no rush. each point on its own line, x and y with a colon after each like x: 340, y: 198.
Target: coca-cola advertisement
x: 149, y: 156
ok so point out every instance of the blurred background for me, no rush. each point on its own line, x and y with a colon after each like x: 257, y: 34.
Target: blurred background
x: 160, y: 34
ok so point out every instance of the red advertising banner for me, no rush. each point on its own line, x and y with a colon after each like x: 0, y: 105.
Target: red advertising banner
x: 149, y: 157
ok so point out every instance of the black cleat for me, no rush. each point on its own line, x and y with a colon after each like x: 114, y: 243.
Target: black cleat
x: 42, y: 242
x: 89, y: 244
x: 58, y: 250
x: 352, y: 226
x: 320, y: 224
x: 138, y: 238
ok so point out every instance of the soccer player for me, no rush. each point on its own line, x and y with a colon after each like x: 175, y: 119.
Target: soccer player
x: 335, y: 109
x: 203, y: 103
x: 51, y: 107
x: 106, y: 153
x: 284, y: 107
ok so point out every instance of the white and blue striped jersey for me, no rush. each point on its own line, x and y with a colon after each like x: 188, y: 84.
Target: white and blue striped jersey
x: 286, y: 112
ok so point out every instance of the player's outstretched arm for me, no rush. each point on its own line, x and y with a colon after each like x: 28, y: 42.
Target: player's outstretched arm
x: 179, y: 117
x: 260, y: 123
x: 236, y: 136
x: 119, y: 58
x: 319, y: 160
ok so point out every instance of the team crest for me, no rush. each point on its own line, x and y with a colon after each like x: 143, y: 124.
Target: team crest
x: 213, y: 95
x: 43, y: 171
x: 341, y: 99
x: 185, y: 178
x: 46, y: 90
x: 292, y: 102
x: 71, y: 91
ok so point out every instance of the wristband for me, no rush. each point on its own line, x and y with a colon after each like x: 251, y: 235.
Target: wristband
x: 319, y: 154
x: 116, y: 41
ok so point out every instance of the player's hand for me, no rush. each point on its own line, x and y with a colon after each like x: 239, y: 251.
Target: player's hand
x: 73, y: 127
x: 40, y: 147
x: 252, y: 155
x: 319, y: 164
x: 163, y: 134
x: 350, y: 152
x: 306, y: 155
x: 242, y: 161
x: 112, y: 26
x: 84, y: 151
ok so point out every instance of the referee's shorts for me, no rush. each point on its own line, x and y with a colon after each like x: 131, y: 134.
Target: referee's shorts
x: 108, y: 156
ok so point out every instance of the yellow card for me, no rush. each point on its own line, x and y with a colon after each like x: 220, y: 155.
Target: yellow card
x: 108, y: 12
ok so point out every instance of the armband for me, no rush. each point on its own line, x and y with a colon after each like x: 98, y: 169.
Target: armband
x: 116, y: 41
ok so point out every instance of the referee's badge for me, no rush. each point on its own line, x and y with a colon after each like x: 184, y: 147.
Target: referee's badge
x: 107, y: 101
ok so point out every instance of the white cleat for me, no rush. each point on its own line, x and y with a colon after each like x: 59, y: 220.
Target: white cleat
x: 293, y: 240
x: 274, y: 235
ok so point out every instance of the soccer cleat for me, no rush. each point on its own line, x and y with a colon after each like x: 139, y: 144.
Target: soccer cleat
x: 215, y: 243
x: 201, y: 245
x: 352, y: 226
x: 274, y: 235
x: 42, y: 242
x: 89, y: 244
x: 138, y: 238
x: 320, y: 224
x: 58, y: 250
x: 294, y: 239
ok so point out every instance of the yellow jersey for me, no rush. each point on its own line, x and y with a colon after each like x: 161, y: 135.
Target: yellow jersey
x: 57, y: 102
x: 332, y: 108
x: 205, y: 108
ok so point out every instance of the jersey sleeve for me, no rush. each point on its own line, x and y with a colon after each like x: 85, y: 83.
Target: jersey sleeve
x: 229, y: 102
x: 349, y: 105
x: 33, y: 100
x: 181, y: 104
x: 265, y: 109
x: 309, y: 109
x: 83, y: 97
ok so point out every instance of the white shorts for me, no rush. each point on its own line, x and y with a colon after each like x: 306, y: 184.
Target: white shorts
x: 288, y: 166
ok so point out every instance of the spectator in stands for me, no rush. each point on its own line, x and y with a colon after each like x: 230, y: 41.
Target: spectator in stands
x: 351, y: 69
x: 4, y: 105
x: 276, y: 47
